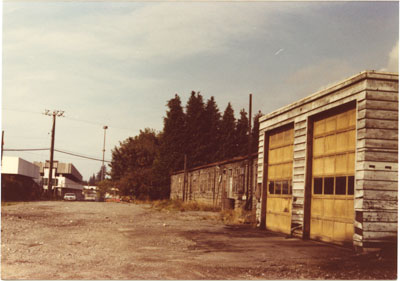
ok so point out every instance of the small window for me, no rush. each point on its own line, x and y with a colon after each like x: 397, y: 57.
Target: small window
x: 290, y: 187
x: 350, y: 185
x: 278, y: 187
x: 271, y: 187
x: 328, y: 185
x: 285, y: 187
x: 317, y: 185
x: 340, y: 186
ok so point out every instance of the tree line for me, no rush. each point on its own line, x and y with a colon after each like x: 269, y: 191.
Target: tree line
x: 141, y: 166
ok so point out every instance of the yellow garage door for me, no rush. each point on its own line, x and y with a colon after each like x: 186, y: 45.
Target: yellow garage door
x: 279, y: 197
x: 332, y: 203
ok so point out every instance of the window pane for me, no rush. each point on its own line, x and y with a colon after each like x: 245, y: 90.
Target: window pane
x: 328, y: 185
x: 278, y: 187
x: 290, y: 187
x: 317, y: 185
x: 351, y: 185
x: 340, y: 185
x: 271, y: 187
x: 285, y: 187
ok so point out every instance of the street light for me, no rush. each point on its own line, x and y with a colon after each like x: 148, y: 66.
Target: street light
x: 104, y: 150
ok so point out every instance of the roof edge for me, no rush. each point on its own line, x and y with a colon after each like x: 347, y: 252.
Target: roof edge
x: 333, y: 88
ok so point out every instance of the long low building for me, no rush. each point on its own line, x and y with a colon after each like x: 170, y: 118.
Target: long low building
x: 328, y: 164
x: 221, y: 184
x: 19, y: 179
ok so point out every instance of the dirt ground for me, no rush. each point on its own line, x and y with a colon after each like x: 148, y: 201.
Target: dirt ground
x: 94, y: 240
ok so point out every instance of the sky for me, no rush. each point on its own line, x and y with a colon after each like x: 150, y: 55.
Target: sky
x: 118, y: 63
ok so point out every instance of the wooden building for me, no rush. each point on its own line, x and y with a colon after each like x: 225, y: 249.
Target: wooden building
x: 221, y: 184
x: 328, y: 166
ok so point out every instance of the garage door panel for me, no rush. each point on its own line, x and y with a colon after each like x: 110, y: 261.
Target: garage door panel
x: 318, y: 166
x: 329, y: 209
x: 341, y: 163
x: 330, y: 144
x: 330, y: 125
x: 280, y: 170
x: 319, y: 127
x: 342, y: 142
x: 340, y: 207
x: 351, y: 163
x: 342, y: 121
x: 329, y: 165
x: 332, y: 202
x: 339, y: 231
x: 319, y: 146
x: 327, y: 228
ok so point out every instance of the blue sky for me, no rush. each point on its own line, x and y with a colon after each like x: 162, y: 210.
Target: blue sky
x: 117, y: 64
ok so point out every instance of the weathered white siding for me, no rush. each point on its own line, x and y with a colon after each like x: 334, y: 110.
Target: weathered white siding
x: 375, y: 96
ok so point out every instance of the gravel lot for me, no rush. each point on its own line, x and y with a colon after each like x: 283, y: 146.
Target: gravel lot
x: 95, y: 240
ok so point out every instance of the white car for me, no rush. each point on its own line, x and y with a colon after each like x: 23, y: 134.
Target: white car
x: 70, y: 196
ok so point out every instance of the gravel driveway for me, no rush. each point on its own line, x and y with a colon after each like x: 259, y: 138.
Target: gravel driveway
x: 95, y: 240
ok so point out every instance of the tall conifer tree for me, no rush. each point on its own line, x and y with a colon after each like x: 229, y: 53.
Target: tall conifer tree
x: 212, y: 135
x: 242, y: 134
x: 171, y: 153
x: 196, y: 130
x: 255, y: 132
x: 173, y: 135
x: 228, y: 129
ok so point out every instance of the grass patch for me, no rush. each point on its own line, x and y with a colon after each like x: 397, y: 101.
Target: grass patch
x: 179, y: 205
x: 238, y: 216
x: 4, y: 203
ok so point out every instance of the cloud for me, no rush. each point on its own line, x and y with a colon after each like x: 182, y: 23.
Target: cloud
x: 165, y: 31
x: 319, y: 76
x: 393, y: 60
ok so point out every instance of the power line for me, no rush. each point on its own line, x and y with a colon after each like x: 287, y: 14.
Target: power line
x: 25, y: 149
x: 82, y: 156
x: 73, y: 119
x: 57, y: 150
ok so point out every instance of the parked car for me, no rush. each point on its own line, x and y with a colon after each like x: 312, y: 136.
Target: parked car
x: 91, y: 196
x: 70, y: 196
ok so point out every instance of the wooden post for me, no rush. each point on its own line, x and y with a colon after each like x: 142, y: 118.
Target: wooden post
x: 184, y: 179
x: 249, y: 193
x: 308, y: 183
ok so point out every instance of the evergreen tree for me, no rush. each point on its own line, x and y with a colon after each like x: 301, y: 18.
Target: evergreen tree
x: 228, y: 129
x: 212, y: 135
x: 172, y: 143
x: 173, y: 136
x: 255, y: 132
x: 196, y: 128
x: 242, y: 134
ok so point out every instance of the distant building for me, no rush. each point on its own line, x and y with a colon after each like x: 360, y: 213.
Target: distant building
x: 66, y: 178
x: 19, y: 179
x: 221, y: 184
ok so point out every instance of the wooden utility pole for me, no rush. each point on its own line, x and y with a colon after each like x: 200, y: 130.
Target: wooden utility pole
x: 55, y: 113
x: 249, y: 190
x: 103, y: 168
